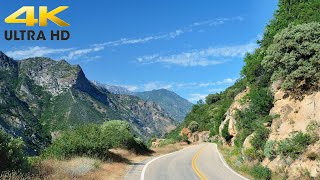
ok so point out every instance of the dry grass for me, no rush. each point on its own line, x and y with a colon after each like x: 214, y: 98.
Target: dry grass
x: 89, y: 168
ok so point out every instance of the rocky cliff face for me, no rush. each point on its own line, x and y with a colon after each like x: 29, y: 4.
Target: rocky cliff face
x: 295, y: 116
x: 39, y: 96
x: 54, y: 76
x: 230, y: 115
x: 290, y: 116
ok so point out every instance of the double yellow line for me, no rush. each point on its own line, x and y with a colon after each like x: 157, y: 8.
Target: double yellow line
x: 194, y: 164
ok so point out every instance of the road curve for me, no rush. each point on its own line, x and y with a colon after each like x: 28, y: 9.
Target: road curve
x: 196, y: 162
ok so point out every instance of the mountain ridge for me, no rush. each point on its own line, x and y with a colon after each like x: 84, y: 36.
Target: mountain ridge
x: 40, y: 96
x: 175, y: 105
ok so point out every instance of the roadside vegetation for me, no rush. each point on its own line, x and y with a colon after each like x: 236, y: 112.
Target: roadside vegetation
x: 289, y: 53
x: 93, y: 142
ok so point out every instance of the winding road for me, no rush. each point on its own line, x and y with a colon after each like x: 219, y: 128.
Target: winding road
x: 201, y: 161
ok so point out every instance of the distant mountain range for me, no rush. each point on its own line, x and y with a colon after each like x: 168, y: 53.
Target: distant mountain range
x: 176, y: 106
x: 39, y: 96
x: 114, y: 89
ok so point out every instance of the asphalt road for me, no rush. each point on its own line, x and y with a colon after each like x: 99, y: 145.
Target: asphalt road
x: 192, y: 163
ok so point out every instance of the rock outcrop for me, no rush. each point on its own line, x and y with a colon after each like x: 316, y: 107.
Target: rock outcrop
x: 186, y: 131
x: 230, y: 115
x: 295, y: 115
x: 200, y: 136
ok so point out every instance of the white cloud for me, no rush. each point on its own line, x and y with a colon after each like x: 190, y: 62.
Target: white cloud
x: 88, y: 53
x: 170, y: 35
x: 196, y: 97
x: 63, y: 53
x: 127, y: 41
x: 203, y: 57
x: 36, y: 51
x: 216, y: 21
x: 78, y: 53
x: 227, y: 81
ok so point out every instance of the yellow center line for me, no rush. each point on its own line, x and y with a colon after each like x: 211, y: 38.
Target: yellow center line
x: 194, y: 164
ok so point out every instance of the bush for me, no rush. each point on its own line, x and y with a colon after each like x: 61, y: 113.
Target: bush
x: 294, y: 145
x: 94, y: 140
x: 253, y: 70
x: 85, y: 140
x: 12, y: 156
x: 261, y: 101
x: 260, y: 137
x: 117, y: 132
x: 166, y: 142
x: 261, y: 172
x: 213, y: 98
x: 253, y: 154
x: 312, y: 129
x: 294, y: 57
x: 270, y: 149
x: 193, y: 126
x: 252, y: 118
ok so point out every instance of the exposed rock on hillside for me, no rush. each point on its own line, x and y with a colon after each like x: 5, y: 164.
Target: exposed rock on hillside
x: 230, y: 115
x: 295, y: 116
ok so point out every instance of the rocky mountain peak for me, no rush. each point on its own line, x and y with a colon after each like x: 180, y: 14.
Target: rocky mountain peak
x: 6, y: 62
x: 54, y: 76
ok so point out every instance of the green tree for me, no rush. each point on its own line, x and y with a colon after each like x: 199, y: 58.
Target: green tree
x: 294, y: 57
x: 193, y: 126
x: 12, y: 156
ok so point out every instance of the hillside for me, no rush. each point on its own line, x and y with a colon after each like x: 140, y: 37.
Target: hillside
x: 175, y: 105
x: 40, y: 96
x: 114, y: 89
x: 268, y: 122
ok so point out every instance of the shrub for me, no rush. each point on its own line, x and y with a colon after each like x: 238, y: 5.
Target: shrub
x: 261, y: 172
x: 213, y: 98
x: 95, y: 140
x: 85, y: 140
x: 270, y: 149
x: 166, y: 142
x: 261, y: 101
x: 312, y: 130
x: 294, y: 145
x: 260, y: 137
x: 253, y: 70
x: 137, y: 145
x: 117, y: 132
x: 193, y: 126
x: 12, y: 156
x: 294, y: 57
x: 253, y: 154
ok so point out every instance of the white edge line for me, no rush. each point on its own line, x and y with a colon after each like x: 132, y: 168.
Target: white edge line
x: 146, y: 166
x: 227, y: 166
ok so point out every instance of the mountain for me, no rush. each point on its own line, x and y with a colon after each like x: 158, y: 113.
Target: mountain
x: 176, y: 106
x: 40, y: 96
x: 114, y: 89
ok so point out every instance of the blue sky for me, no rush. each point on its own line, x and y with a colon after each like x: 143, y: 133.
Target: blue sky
x: 191, y: 47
